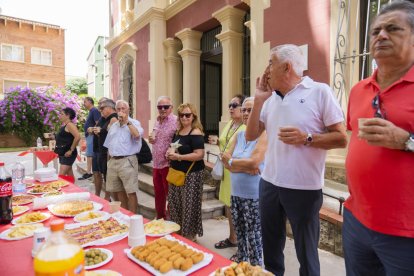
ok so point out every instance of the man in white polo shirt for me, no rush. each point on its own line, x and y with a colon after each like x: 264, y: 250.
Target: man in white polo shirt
x: 302, y: 119
x: 123, y: 143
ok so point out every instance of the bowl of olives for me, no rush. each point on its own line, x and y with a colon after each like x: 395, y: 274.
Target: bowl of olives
x: 96, y: 257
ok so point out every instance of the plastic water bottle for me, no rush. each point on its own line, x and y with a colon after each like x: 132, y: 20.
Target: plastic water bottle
x: 17, y: 178
x: 39, y: 142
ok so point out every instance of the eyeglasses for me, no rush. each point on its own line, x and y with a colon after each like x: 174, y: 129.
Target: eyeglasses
x: 187, y: 115
x: 376, y: 105
x: 163, y: 107
x: 246, y: 109
x: 233, y: 105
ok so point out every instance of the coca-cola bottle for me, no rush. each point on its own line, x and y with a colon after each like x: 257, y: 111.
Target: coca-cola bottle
x: 6, y: 213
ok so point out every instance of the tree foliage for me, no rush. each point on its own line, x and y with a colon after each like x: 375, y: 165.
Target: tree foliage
x: 77, y: 86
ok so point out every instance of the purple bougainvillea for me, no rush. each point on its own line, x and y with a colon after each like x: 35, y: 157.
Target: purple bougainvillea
x: 30, y: 112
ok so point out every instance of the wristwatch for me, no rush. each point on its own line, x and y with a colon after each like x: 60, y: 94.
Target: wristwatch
x: 230, y: 161
x: 409, y: 144
x: 309, y: 139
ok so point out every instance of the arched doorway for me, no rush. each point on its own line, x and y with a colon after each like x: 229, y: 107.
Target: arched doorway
x: 126, y: 84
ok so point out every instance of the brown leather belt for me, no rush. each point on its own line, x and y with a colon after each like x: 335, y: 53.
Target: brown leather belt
x: 120, y: 157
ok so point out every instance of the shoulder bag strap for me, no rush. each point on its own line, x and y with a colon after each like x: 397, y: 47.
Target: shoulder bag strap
x: 189, y: 169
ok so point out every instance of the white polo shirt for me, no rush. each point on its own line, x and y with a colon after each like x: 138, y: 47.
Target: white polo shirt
x: 309, y: 106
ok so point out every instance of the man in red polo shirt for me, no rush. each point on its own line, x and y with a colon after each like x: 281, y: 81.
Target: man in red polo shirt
x: 378, y: 230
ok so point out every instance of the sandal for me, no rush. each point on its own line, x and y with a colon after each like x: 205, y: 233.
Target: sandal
x: 234, y: 258
x: 225, y: 244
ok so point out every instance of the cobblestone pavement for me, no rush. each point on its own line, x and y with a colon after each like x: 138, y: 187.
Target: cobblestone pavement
x: 214, y: 229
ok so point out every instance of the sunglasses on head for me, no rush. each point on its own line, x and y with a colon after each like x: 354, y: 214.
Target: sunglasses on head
x: 163, y: 107
x: 376, y: 105
x: 246, y: 109
x: 233, y: 105
x: 187, y: 115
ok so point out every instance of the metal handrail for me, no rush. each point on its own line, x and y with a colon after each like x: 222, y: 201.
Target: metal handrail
x: 340, y: 198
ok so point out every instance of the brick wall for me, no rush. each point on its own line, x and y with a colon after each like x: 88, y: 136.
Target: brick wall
x: 30, y: 34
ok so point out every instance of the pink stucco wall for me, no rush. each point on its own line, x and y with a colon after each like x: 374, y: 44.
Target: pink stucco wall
x: 142, y: 77
x: 198, y: 16
x: 302, y: 22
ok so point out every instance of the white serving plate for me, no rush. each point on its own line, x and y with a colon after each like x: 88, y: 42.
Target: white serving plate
x: 15, y: 204
x: 103, y: 241
x: 109, y: 257
x: 4, y: 234
x: 45, y: 194
x: 102, y: 272
x: 39, y: 193
x: 162, y: 234
x: 173, y: 272
x: 14, y: 221
x: 104, y: 216
x: 222, y: 269
x: 96, y: 207
x: 24, y: 209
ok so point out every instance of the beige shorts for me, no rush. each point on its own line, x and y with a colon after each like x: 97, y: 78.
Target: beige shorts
x: 122, y: 175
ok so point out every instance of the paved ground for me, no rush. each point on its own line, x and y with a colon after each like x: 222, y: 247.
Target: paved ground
x: 214, y: 230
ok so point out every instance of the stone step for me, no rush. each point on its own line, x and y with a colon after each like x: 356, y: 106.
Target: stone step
x: 146, y: 184
x: 210, y: 208
x: 334, y: 189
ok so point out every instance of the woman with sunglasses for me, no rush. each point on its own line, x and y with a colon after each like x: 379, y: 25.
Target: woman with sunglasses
x: 227, y: 136
x: 184, y: 202
x: 244, y: 160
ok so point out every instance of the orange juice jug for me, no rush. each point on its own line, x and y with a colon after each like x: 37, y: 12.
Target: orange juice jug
x: 60, y: 255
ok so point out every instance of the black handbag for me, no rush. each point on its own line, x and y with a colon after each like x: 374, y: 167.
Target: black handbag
x: 144, y: 155
x: 61, y: 149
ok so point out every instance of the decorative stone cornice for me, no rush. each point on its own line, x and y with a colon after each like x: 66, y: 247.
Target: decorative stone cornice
x: 189, y: 38
x: 176, y: 7
x: 230, y: 18
x: 247, y: 2
x: 138, y: 24
x: 223, y: 36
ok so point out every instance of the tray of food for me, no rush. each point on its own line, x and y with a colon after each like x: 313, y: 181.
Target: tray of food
x: 169, y: 256
x: 103, y: 272
x: 242, y: 268
x: 30, y: 218
x: 57, y: 184
x: 160, y: 227
x: 71, y: 208
x: 18, y: 210
x: 101, y: 232
x: 91, y: 215
x: 40, y: 189
x: 20, y: 232
x: 97, y: 257
x: 55, y: 193
x: 22, y: 199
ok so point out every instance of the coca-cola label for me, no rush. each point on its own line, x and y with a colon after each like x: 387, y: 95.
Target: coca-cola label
x: 6, y: 189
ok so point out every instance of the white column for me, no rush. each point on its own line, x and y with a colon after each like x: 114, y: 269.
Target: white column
x: 231, y: 38
x: 174, y: 71
x: 191, y: 65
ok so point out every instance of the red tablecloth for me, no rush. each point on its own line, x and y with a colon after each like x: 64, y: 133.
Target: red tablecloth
x: 16, y: 259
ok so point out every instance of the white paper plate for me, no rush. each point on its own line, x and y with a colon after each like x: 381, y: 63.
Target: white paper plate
x: 4, y: 234
x: 24, y: 209
x: 39, y: 193
x: 46, y: 194
x: 96, y: 207
x: 104, y: 216
x: 33, y: 197
x: 162, y: 234
x: 173, y: 272
x: 109, y: 257
x: 14, y: 221
x: 102, y: 272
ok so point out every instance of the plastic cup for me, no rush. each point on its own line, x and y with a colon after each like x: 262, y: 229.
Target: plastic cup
x: 361, y: 123
x: 136, y: 234
x: 114, y: 206
x: 39, y: 238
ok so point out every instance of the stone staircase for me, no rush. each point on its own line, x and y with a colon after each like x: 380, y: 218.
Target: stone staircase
x: 211, y: 207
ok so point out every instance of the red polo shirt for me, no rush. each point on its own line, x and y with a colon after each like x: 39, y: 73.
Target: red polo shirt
x: 381, y: 180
